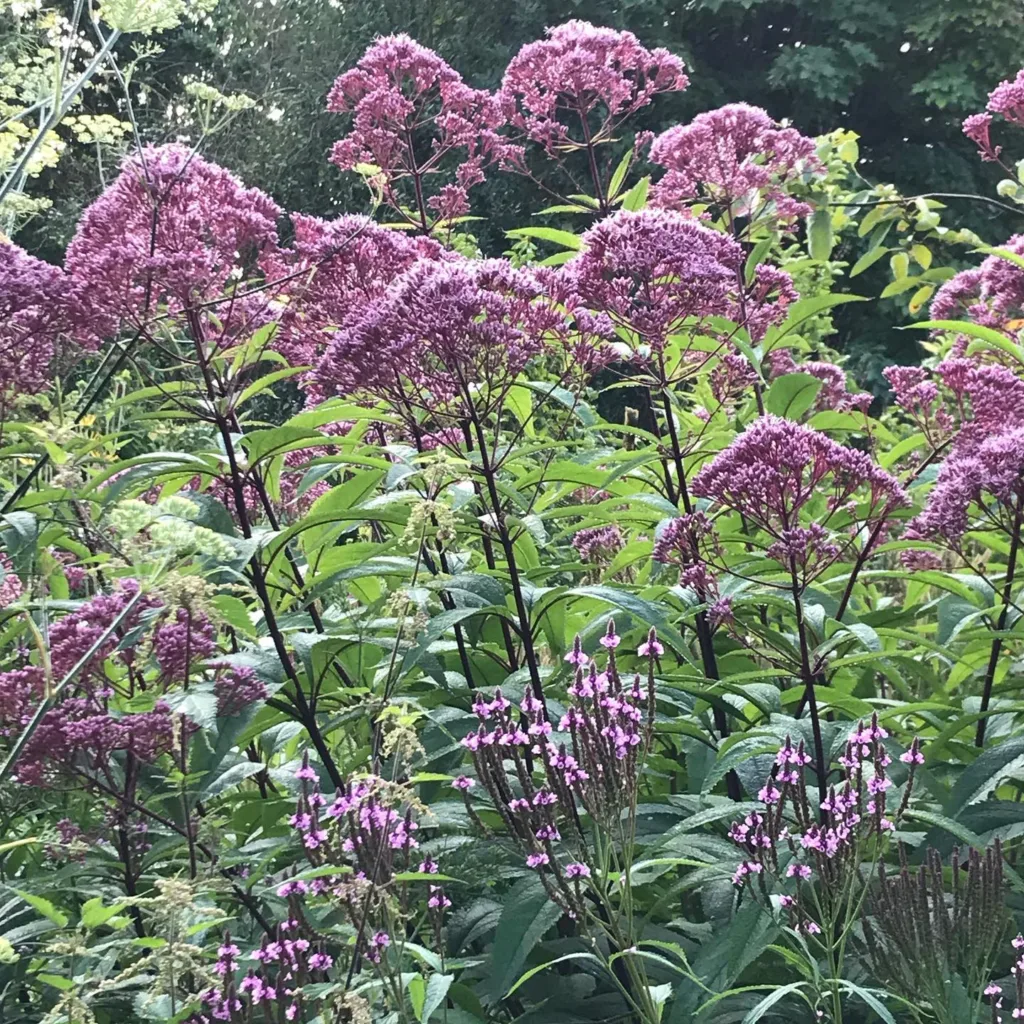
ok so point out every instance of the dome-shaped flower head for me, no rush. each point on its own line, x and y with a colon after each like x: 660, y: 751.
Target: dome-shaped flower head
x: 986, y: 462
x: 773, y: 473
x: 172, y: 232
x: 416, y: 120
x: 990, y: 474
x: 331, y: 271
x: 653, y: 270
x: 1007, y: 99
x: 577, y: 86
x: 31, y: 317
x: 444, y: 333
x: 991, y: 295
x: 735, y: 156
x: 978, y: 128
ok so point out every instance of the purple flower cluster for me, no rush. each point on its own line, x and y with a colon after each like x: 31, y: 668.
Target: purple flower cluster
x: 598, y: 544
x: 368, y: 830
x: 11, y: 587
x: 331, y: 271
x: 777, y: 469
x: 980, y: 407
x: 541, y: 785
x: 991, y: 295
x: 1006, y: 100
x: 826, y: 843
x: 237, y: 688
x: 170, y: 233
x: 446, y: 334
x: 738, y: 158
x: 690, y: 543
x: 576, y: 87
x: 413, y: 116
x: 87, y: 725
x: 81, y: 727
x: 653, y: 271
x: 32, y: 315
x: 181, y: 642
x: 833, y: 394
x: 273, y: 989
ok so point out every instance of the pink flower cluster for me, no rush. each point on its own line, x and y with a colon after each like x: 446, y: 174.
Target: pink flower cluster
x: 367, y: 831
x: 979, y: 407
x: 32, y: 315
x: 653, y: 271
x: 991, y: 295
x: 87, y: 725
x: 293, y: 959
x: 11, y: 587
x: 331, y: 271
x: 1007, y: 100
x: 171, y: 233
x: 412, y: 116
x: 738, y: 158
x: 777, y: 470
x: 690, y: 543
x: 824, y: 843
x: 606, y: 726
x: 443, y: 335
x: 598, y: 544
x: 577, y: 86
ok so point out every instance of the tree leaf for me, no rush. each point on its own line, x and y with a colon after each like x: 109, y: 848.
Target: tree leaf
x: 566, y: 239
x: 792, y: 394
x: 527, y: 915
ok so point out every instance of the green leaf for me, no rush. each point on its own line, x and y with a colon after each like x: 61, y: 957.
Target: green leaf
x: 56, y: 981
x: 984, y: 774
x: 869, y: 259
x: 566, y: 239
x: 758, y: 1011
x: 44, y: 907
x: 533, y: 971
x: 988, y: 335
x: 266, y: 381
x: 792, y: 394
x: 417, y: 994
x: 94, y: 914
x: 620, y: 175
x: 526, y: 916
x: 636, y: 198
x: 869, y: 997
x: 437, y: 992
x: 819, y: 234
x: 229, y: 778
x: 940, y: 821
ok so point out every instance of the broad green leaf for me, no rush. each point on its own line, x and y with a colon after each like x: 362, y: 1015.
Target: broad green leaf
x: 792, y: 394
x: 819, y: 234
x: 44, y: 907
x: 566, y: 239
x: 527, y: 915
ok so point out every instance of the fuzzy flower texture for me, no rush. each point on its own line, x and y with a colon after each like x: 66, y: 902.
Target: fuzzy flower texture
x: 812, y: 495
x: 413, y: 116
x: 738, y: 158
x: 85, y: 728
x: 576, y: 87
